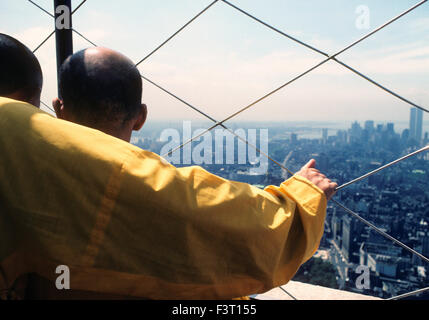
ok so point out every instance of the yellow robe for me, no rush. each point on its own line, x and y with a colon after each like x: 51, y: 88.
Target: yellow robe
x: 126, y: 222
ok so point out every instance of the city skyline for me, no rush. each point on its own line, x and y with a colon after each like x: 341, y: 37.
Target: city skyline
x: 224, y: 60
x: 395, y: 200
x: 351, y: 128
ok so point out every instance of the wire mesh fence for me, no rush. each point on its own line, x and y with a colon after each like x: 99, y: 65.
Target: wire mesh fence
x: 222, y: 123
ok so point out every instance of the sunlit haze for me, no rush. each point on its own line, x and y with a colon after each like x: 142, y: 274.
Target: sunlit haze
x: 224, y: 60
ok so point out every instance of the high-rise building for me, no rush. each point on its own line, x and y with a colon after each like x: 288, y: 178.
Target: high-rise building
x: 368, y: 132
x: 419, y: 125
x: 349, y: 239
x: 324, y: 135
x: 294, y: 138
x: 405, y: 135
x: 413, y: 116
x: 425, y: 245
x: 342, y: 136
x: 416, y: 124
x: 369, y: 125
x: 355, y: 132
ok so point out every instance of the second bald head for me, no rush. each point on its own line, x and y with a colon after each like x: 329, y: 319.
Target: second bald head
x: 100, y: 85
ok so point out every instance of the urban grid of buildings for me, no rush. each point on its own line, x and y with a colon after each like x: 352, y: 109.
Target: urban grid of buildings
x: 395, y: 200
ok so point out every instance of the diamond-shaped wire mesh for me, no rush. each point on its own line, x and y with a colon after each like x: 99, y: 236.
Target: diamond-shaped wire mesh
x: 328, y: 57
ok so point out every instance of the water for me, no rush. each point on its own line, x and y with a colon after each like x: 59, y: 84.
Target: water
x: 304, y: 129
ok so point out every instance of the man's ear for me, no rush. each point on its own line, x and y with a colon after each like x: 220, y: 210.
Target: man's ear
x: 141, y: 118
x: 58, y: 107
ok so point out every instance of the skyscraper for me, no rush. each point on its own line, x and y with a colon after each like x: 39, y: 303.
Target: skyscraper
x: 293, y: 138
x: 416, y: 124
x: 419, y: 125
x: 324, y: 135
x: 425, y: 245
x: 369, y: 125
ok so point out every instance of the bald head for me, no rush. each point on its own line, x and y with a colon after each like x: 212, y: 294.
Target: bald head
x: 20, y: 72
x: 100, y: 87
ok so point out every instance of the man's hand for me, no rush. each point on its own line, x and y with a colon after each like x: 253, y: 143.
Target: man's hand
x: 313, y: 175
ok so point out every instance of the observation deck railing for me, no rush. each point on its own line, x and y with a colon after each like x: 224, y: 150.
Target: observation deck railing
x: 216, y: 123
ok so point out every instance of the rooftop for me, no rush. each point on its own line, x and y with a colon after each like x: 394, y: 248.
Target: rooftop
x: 295, y: 290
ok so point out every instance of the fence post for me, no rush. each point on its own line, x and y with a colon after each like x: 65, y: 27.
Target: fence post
x: 63, y: 33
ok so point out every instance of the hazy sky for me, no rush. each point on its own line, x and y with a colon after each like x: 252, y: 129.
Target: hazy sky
x: 224, y: 60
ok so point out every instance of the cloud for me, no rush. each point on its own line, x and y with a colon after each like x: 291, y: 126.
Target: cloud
x: 223, y: 84
x: 221, y: 78
x: 32, y: 36
x: 396, y: 60
x: 420, y: 25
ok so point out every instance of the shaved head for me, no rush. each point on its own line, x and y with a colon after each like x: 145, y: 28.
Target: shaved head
x: 99, y: 85
x: 20, y: 73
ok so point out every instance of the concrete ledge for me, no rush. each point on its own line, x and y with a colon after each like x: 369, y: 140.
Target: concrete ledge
x: 305, y: 291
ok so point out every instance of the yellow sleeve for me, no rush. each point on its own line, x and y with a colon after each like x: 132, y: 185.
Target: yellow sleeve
x: 125, y: 222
